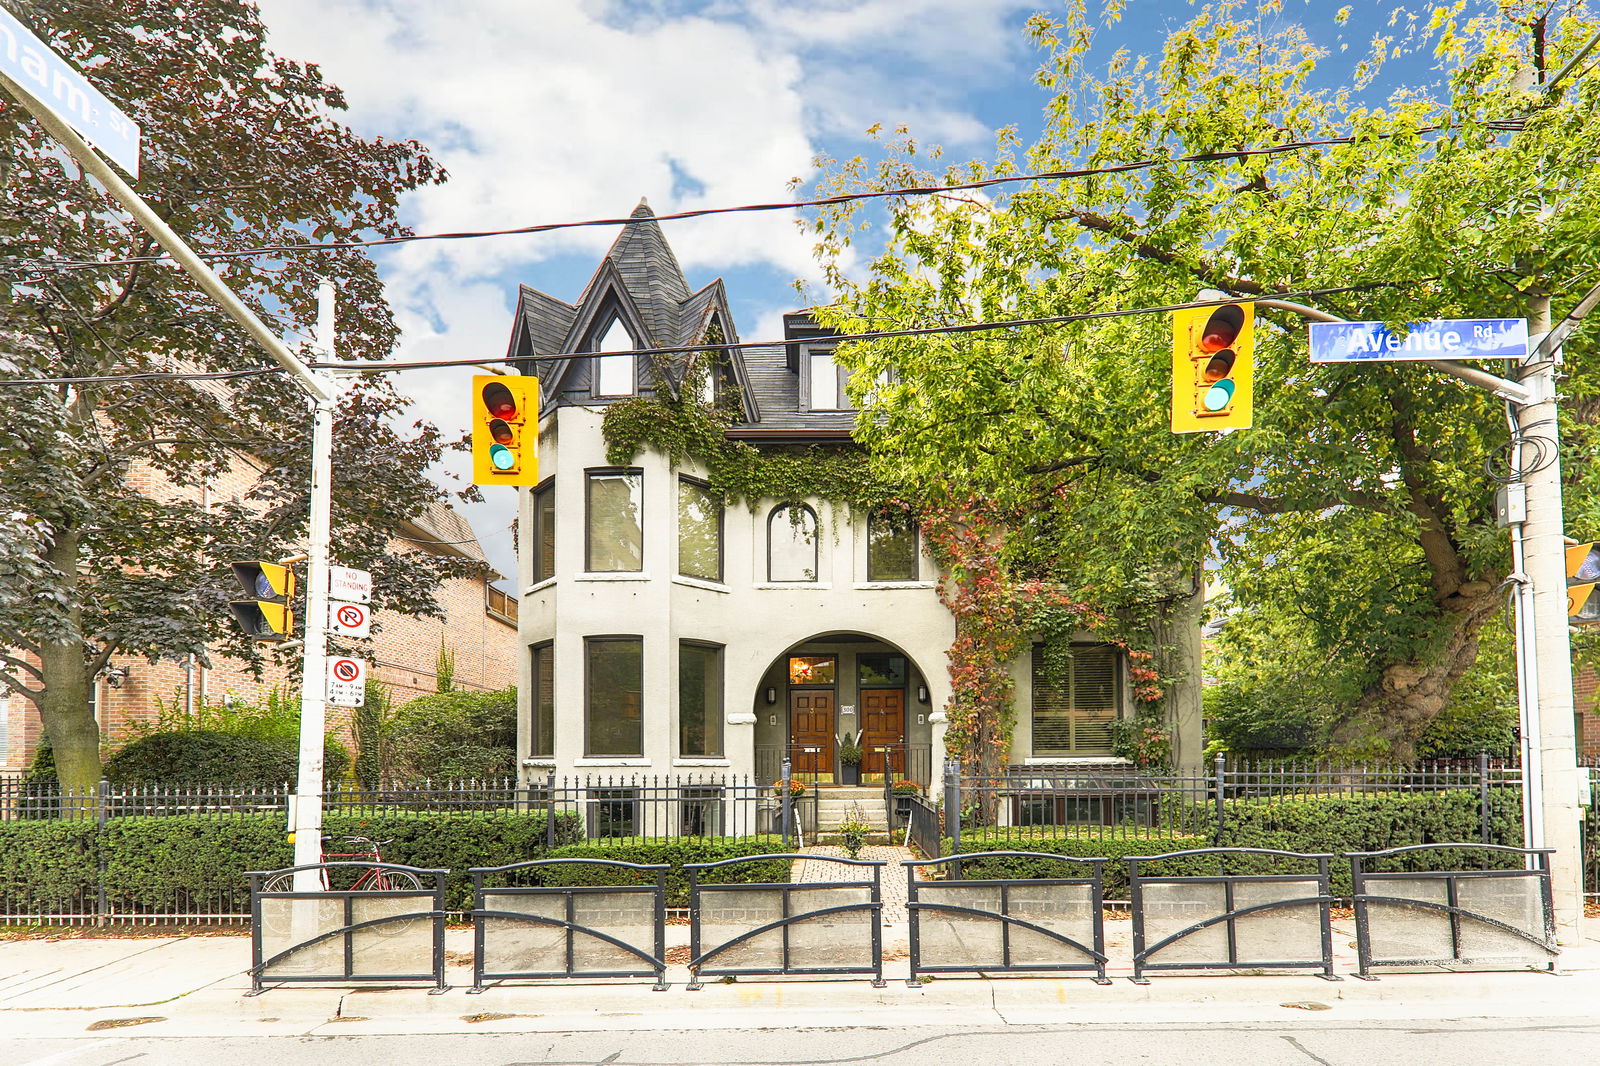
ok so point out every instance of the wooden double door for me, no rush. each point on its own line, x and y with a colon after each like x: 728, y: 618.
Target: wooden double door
x: 813, y: 721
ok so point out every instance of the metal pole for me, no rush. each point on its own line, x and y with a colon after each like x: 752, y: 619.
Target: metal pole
x: 786, y: 804
x: 1221, y: 786
x: 1545, y: 570
x: 306, y: 812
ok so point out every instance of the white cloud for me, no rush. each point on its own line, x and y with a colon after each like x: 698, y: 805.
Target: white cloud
x: 562, y: 110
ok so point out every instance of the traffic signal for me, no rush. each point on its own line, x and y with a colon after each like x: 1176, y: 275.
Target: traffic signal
x: 269, y: 613
x: 1583, y: 572
x: 505, y: 430
x: 1212, y: 351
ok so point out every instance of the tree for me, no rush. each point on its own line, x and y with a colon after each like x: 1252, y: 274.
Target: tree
x: 1359, y: 500
x: 240, y: 151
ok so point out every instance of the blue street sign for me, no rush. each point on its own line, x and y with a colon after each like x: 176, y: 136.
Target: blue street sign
x: 1451, y: 338
x: 57, y: 84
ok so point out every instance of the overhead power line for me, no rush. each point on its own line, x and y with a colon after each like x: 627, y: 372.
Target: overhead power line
x: 870, y: 335
x: 1498, y: 125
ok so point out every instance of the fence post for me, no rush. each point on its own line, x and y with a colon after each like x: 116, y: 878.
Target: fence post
x: 1483, y: 794
x: 101, y: 817
x: 952, y: 810
x: 1221, y: 789
x: 550, y: 809
x: 786, y: 804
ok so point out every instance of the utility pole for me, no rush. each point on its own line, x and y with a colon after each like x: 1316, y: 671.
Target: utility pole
x: 305, y: 813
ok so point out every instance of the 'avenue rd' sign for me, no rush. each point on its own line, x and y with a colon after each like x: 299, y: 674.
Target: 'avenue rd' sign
x: 1450, y: 338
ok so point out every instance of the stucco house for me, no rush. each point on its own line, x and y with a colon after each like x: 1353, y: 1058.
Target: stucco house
x: 667, y: 631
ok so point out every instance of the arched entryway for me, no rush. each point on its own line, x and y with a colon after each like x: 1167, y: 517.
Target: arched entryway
x: 842, y: 686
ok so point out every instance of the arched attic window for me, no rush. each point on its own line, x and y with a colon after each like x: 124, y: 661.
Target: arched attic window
x: 614, y: 374
x: 792, y: 543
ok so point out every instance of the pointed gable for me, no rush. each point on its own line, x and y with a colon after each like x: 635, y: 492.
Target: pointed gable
x: 650, y: 273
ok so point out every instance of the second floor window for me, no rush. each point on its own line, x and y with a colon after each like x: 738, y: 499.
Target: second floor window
x: 544, y: 532
x: 616, y: 521
x: 891, y: 547
x: 699, y: 531
x: 792, y: 543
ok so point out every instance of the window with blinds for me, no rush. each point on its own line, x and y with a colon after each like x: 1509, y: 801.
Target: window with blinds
x: 1072, y: 714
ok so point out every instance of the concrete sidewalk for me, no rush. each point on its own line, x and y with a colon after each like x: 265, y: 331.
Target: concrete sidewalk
x: 196, y: 985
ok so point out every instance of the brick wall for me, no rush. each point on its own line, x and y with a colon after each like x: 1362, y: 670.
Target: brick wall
x: 1584, y: 685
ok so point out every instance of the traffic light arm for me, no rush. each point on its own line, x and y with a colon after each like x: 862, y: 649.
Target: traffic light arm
x: 317, y: 385
x: 1514, y: 391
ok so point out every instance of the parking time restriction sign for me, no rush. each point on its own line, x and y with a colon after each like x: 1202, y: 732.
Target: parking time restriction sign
x: 347, y: 681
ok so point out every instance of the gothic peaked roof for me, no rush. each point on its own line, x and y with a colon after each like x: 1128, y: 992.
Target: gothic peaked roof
x: 640, y: 284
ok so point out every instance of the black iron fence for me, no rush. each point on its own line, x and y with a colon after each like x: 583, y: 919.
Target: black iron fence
x: 1228, y: 799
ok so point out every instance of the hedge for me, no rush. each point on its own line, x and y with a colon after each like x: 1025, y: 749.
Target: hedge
x: 197, y: 864
x: 1316, y: 824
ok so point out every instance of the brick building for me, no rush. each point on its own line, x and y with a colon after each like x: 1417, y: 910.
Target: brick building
x: 478, y: 631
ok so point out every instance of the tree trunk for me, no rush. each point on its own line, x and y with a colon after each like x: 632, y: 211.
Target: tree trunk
x: 1398, y: 708
x: 64, y: 705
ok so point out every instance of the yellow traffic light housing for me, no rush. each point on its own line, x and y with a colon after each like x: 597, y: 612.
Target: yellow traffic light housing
x: 269, y: 614
x: 1583, y: 573
x: 505, y: 429
x: 1213, y: 352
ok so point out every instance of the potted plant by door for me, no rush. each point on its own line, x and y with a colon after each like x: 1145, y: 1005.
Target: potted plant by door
x: 849, y: 760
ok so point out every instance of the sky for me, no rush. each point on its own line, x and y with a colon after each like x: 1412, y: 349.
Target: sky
x: 559, y: 110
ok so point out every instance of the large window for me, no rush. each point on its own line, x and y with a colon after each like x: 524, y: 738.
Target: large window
x: 616, y: 521
x: 792, y: 543
x: 544, y: 702
x: 699, y: 700
x: 891, y: 547
x: 544, y: 531
x: 614, y: 374
x: 613, y: 696
x: 699, y: 531
x: 826, y: 381
x: 1074, y: 702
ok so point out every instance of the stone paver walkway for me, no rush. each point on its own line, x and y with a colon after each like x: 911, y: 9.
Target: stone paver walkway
x: 893, y: 885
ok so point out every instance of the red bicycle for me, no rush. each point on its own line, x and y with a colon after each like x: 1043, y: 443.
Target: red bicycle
x: 377, y: 878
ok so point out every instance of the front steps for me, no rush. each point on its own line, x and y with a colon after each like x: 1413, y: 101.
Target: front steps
x: 834, y: 804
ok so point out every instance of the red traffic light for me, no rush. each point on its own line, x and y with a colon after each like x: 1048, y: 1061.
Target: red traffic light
x: 498, y: 399
x: 1222, y: 329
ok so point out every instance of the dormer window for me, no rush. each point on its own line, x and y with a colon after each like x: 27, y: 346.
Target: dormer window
x: 826, y: 379
x: 614, y: 374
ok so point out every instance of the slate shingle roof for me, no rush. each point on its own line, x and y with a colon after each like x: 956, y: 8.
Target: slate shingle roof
x: 641, y: 263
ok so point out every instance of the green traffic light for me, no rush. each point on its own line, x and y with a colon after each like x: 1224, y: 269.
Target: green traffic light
x: 1219, y: 395
x: 502, y: 457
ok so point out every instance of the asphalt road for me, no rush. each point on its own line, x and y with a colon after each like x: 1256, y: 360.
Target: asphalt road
x: 1532, y: 1042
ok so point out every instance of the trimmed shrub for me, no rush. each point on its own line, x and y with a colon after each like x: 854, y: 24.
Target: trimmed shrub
x: 48, y: 865
x: 1082, y: 847
x: 675, y: 852
x: 1310, y: 824
x: 208, y: 757
x: 455, y: 735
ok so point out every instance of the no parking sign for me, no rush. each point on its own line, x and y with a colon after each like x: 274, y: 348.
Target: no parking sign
x: 349, y: 619
x: 347, y: 681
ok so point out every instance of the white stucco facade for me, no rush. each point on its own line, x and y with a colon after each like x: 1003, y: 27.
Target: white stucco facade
x: 757, y: 623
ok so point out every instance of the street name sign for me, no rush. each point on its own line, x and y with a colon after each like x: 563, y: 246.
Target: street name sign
x: 30, y: 63
x: 349, y: 584
x: 1449, y: 338
x: 349, y: 619
x: 347, y: 681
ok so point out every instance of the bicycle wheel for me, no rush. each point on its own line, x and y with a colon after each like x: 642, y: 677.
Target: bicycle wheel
x: 379, y: 880
x: 275, y: 918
